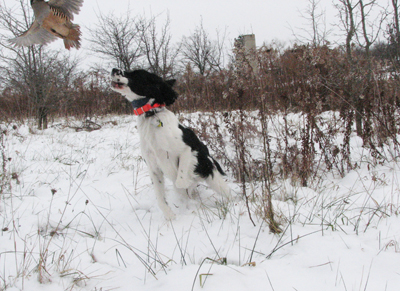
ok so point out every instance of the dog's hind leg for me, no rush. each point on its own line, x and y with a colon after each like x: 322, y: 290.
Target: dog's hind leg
x: 187, y: 163
x: 158, y: 180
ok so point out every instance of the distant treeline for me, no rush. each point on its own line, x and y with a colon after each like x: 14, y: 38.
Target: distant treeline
x: 300, y: 78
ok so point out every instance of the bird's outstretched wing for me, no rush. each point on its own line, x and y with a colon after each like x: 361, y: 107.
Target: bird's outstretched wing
x: 67, y: 7
x: 34, y: 35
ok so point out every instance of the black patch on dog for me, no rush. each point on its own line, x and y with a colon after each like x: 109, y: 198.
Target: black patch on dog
x: 206, y: 163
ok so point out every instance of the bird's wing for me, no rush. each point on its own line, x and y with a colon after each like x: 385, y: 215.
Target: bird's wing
x: 67, y: 7
x: 34, y: 35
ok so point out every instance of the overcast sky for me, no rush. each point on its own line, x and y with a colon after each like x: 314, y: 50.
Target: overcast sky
x: 268, y: 19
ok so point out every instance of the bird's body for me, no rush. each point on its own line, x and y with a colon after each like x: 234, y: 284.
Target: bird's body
x: 52, y: 20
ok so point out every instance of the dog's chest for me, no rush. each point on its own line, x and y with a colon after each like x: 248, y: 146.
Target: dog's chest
x: 160, y: 135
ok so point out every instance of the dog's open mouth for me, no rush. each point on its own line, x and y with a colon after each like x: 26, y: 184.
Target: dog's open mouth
x: 117, y: 85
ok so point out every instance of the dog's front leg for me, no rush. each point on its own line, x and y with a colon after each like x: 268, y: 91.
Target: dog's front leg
x: 158, y: 181
x: 187, y: 162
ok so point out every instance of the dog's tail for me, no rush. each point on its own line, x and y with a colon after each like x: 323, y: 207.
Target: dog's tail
x: 217, y: 183
x: 219, y: 168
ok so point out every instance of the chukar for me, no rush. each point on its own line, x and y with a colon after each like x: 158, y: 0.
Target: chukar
x: 52, y: 20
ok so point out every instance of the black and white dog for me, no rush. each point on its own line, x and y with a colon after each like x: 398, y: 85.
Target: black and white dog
x: 168, y: 148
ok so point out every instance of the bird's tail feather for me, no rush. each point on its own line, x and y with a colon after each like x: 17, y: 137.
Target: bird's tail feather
x: 74, y: 37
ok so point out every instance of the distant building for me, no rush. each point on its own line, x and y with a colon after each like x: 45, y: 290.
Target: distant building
x: 245, y: 48
x: 248, y: 41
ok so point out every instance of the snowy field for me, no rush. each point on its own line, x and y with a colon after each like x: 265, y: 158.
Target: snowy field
x: 81, y: 215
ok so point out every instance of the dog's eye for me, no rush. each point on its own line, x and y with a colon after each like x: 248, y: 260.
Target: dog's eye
x: 116, y: 72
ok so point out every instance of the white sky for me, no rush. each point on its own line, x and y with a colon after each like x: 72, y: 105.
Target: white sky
x: 268, y: 19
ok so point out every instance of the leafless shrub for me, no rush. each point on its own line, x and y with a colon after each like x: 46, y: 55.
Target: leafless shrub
x: 4, y: 176
x: 307, y: 81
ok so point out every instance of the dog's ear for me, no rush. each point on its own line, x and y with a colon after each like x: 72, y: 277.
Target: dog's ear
x: 167, y: 93
x: 162, y: 91
x: 171, y: 82
x: 153, y: 86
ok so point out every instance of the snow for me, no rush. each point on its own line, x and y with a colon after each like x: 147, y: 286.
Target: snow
x: 82, y: 215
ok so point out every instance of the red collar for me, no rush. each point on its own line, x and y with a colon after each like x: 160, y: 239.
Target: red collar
x: 146, y: 108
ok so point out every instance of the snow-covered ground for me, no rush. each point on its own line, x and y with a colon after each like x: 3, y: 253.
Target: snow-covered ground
x: 81, y: 215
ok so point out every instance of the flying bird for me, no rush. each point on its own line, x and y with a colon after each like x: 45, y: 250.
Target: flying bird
x: 52, y: 20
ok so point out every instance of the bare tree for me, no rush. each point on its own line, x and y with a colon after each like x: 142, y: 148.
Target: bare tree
x: 395, y: 5
x: 318, y: 33
x: 118, y: 38
x: 34, y: 72
x: 394, y: 33
x: 159, y: 52
x: 357, y: 22
x: 371, y: 28
x: 396, y: 25
x: 205, y: 55
x: 347, y: 17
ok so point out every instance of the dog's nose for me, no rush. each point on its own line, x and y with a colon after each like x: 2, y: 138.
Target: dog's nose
x: 116, y: 72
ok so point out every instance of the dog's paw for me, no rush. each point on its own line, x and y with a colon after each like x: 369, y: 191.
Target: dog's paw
x: 166, y: 210
x: 168, y: 214
x: 182, y: 183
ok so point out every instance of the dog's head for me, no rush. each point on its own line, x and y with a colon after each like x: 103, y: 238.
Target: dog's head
x: 142, y: 84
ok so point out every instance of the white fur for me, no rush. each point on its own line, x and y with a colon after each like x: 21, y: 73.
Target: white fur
x: 125, y: 91
x: 161, y: 147
x: 128, y: 94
